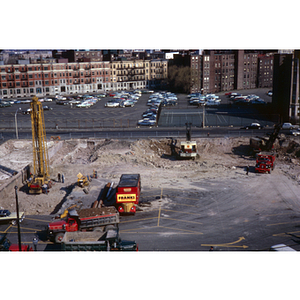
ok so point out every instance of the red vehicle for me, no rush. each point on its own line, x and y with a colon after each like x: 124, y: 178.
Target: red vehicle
x: 84, y: 220
x: 128, y: 193
x: 265, y: 162
x: 15, y: 247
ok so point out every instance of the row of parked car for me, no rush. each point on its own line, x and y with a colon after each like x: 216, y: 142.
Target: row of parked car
x: 240, y: 99
x: 155, y: 101
x: 123, y: 99
x: 200, y: 99
x: 80, y: 101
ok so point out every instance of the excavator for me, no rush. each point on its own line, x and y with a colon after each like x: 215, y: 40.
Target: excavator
x: 40, y: 179
x: 259, y: 144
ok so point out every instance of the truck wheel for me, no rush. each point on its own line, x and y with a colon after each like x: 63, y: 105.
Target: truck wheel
x: 110, y: 227
x: 59, y: 237
x: 98, y: 228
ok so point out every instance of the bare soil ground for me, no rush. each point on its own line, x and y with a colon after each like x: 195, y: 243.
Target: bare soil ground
x: 222, y: 158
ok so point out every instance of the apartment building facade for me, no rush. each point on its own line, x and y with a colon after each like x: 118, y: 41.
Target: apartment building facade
x: 130, y: 74
x: 286, y: 86
x: 265, y: 70
x: 45, y: 79
x: 158, y: 73
x: 27, y: 80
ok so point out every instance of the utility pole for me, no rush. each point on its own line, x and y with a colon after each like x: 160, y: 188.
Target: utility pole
x: 17, y: 136
x: 203, y: 123
x: 18, y: 219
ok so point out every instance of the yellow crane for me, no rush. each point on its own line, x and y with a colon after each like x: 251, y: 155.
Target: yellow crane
x: 41, y: 177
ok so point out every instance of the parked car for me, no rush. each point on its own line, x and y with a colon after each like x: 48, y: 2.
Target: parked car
x: 11, y: 217
x: 5, y: 104
x: 47, y: 108
x: 289, y: 126
x: 213, y: 103
x: 169, y: 103
x: 4, y: 213
x: 112, y: 104
x: 253, y: 126
x: 146, y: 123
x: 258, y: 101
x: 295, y: 132
x: 127, y: 103
x: 27, y: 111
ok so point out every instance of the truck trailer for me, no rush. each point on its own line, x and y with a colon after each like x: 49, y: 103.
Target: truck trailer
x: 128, y: 193
x: 83, y: 220
x: 96, y: 241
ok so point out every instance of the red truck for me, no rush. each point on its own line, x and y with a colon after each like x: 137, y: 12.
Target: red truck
x: 128, y: 193
x: 88, y: 219
x: 15, y: 247
x: 265, y: 162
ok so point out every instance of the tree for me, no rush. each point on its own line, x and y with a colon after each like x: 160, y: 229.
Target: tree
x: 179, y: 79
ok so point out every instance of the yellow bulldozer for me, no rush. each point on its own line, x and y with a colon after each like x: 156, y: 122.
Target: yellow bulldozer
x: 82, y: 180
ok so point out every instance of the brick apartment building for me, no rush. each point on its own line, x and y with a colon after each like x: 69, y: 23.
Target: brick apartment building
x: 47, y: 78
x: 27, y: 80
x: 223, y: 70
x: 265, y: 70
x: 286, y: 85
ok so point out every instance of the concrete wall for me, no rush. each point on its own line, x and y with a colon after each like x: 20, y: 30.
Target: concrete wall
x: 19, y: 180
x: 16, y: 180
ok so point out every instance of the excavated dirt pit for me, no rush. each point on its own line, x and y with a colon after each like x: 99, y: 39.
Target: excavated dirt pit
x: 222, y: 158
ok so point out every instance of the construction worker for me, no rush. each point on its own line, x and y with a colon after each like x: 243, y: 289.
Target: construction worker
x: 35, y: 243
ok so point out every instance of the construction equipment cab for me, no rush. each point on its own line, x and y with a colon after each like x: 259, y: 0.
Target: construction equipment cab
x: 188, y: 148
x: 82, y: 180
x: 128, y: 193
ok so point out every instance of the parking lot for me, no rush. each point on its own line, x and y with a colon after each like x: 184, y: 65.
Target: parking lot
x: 100, y: 117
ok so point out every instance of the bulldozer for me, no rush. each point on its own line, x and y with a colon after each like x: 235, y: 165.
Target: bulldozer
x: 82, y: 180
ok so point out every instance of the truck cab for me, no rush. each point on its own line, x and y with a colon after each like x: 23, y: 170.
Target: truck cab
x: 56, y: 229
x: 265, y: 162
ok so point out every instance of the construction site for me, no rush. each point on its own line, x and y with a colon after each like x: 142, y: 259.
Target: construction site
x: 221, y: 158
x: 76, y: 180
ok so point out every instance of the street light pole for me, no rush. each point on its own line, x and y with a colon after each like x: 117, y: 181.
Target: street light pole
x: 203, y: 111
x: 18, y: 219
x: 203, y: 115
x: 17, y: 136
